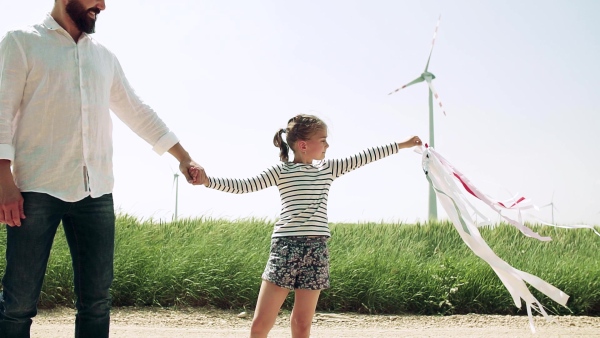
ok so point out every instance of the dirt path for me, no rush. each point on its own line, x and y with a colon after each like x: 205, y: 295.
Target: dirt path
x: 169, y: 323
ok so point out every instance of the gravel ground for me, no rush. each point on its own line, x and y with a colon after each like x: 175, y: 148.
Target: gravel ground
x: 204, y: 322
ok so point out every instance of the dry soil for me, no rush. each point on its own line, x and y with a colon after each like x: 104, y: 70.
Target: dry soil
x: 204, y: 322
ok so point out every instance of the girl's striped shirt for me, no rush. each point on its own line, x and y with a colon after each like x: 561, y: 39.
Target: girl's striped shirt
x: 303, y: 189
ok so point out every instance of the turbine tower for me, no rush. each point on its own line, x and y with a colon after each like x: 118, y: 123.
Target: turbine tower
x: 552, y: 207
x: 429, y: 77
x: 176, y: 183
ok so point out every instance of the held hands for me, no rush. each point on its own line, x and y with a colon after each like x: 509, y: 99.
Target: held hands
x: 198, y: 176
x: 411, y: 142
x: 193, y: 172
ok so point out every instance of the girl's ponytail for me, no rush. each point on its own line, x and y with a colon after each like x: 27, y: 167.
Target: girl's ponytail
x: 284, y: 149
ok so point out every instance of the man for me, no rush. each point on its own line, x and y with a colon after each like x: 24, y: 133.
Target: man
x: 57, y: 85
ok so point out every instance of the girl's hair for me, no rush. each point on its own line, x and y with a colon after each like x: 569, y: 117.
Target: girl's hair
x: 299, y: 127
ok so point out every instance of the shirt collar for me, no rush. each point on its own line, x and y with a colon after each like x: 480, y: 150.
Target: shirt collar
x: 51, y: 24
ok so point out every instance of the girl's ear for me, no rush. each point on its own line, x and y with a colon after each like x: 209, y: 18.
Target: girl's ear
x: 301, y: 145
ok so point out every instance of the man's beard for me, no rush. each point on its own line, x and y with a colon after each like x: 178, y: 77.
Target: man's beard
x: 81, y: 17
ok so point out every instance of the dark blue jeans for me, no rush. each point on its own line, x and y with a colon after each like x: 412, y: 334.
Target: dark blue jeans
x: 89, y: 226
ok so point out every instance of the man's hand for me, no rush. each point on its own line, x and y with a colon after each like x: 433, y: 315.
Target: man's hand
x: 194, y: 173
x: 11, y: 200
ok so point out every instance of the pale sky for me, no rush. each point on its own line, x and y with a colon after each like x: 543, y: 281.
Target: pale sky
x: 518, y: 80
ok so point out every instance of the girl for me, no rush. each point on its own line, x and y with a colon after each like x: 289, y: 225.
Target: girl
x: 299, y: 259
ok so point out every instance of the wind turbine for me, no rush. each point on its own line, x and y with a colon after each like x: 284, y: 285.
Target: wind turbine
x: 176, y: 183
x: 552, y: 207
x: 429, y: 77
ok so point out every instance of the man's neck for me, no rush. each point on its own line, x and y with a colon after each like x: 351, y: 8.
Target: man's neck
x: 65, y: 21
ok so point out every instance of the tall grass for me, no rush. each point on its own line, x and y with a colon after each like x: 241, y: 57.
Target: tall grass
x: 375, y: 267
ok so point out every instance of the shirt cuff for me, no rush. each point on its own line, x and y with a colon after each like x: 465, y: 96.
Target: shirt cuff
x: 211, y: 183
x: 7, y: 152
x: 165, y: 143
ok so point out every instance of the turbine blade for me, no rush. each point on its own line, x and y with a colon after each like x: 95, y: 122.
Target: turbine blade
x: 417, y: 80
x: 437, y: 98
x: 433, y: 42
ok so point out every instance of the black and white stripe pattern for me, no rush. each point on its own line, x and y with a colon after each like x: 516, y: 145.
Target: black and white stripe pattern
x: 303, y: 189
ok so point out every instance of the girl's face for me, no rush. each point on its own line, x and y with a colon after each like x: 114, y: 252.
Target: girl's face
x: 317, y: 145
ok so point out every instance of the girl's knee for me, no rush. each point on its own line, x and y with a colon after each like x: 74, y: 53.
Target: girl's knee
x: 260, y: 328
x: 301, y: 324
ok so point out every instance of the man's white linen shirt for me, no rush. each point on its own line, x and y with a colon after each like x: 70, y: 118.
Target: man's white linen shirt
x: 55, y: 100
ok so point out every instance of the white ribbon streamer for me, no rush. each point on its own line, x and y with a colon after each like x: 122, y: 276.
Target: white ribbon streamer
x: 444, y: 179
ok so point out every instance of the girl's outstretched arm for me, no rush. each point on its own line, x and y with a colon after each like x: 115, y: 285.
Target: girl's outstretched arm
x: 411, y: 142
x: 267, y: 178
x: 342, y: 166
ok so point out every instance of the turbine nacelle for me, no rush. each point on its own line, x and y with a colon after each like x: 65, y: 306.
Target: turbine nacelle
x: 428, y: 76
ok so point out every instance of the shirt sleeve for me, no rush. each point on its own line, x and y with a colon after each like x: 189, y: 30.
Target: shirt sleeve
x: 266, y: 179
x: 340, y: 167
x: 137, y: 115
x: 13, y: 75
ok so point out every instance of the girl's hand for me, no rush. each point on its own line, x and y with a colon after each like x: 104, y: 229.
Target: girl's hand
x: 198, y: 176
x: 411, y: 142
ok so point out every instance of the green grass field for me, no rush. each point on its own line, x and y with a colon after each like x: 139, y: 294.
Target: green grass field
x: 375, y: 267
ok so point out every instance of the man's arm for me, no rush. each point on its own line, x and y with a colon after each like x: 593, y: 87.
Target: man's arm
x: 145, y: 122
x: 13, y: 70
x: 193, y: 172
x: 11, y: 200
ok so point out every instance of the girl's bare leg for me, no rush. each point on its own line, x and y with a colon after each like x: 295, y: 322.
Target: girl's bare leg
x: 305, y: 303
x: 270, y: 299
